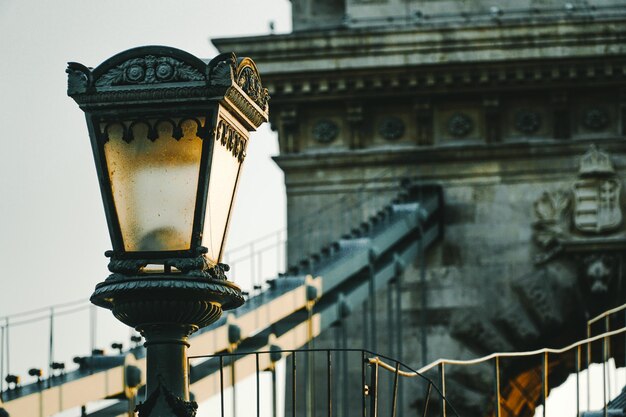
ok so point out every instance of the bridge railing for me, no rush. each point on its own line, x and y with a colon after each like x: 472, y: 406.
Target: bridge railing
x: 318, y: 382
x: 588, y: 368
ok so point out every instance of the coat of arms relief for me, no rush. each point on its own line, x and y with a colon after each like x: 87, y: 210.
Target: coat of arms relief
x: 591, y: 209
x: 585, y: 220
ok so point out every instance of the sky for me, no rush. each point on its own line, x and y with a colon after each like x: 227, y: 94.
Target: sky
x: 53, y: 231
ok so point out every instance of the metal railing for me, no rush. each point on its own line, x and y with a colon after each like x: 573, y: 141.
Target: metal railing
x: 547, y: 360
x: 318, y: 382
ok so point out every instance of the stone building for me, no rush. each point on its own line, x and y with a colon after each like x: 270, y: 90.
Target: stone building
x: 517, y: 110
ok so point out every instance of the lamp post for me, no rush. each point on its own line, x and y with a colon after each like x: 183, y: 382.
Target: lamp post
x: 169, y: 134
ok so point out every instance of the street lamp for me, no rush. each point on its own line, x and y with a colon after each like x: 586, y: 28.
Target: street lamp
x: 169, y: 134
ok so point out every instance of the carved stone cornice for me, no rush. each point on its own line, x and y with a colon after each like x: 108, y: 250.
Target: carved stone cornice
x: 409, y: 81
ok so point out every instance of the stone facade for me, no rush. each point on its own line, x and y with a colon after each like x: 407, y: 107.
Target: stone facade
x: 496, y: 106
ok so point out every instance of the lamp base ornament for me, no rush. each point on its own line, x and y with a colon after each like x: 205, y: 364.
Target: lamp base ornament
x: 178, y: 406
x: 166, y: 308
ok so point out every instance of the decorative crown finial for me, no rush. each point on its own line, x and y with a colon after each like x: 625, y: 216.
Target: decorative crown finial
x: 595, y: 162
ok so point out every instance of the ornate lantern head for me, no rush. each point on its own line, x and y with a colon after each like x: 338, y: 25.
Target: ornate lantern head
x: 169, y: 134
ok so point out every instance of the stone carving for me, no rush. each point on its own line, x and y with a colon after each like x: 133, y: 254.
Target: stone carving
x: 597, y: 194
x: 229, y: 137
x: 599, y: 270
x: 527, y: 121
x: 595, y: 118
x: 149, y: 70
x: 391, y: 128
x: 551, y: 210
x: 460, y: 125
x: 325, y: 131
x: 592, y: 206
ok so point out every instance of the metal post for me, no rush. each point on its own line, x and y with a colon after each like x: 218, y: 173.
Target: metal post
x: 373, y: 391
x: 390, y: 332
x: 363, y: 384
x: 442, y: 376
x: 51, y: 345
x: 252, y: 269
x: 578, y: 362
x: 344, y: 369
x: 588, y: 368
x: 233, y: 383
x: 605, y: 358
x: 309, y: 399
x: 372, y: 302
x: 92, y: 326
x: 497, y: 385
x: 394, y: 394
x: 258, y: 386
x: 8, y: 346
x: 293, y: 385
x: 222, y: 383
x: 329, y: 382
x: 424, y: 298
x: 427, y: 400
x: 278, y: 245
x: 544, y: 381
x: 1, y: 361
x: 274, y: 393
x: 366, y: 333
x: 607, y: 328
x: 399, y: 344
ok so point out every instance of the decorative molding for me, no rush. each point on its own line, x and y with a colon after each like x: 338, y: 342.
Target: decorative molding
x: 325, y: 131
x: 164, y: 76
x: 595, y: 118
x: 391, y: 128
x: 241, y: 101
x: 121, y: 287
x: 460, y: 125
x: 152, y: 124
x: 527, y: 121
x: 196, y: 266
x: 149, y: 69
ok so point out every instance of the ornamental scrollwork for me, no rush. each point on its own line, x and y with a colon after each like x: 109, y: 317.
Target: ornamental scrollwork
x: 325, y: 131
x: 78, y: 78
x: 595, y: 118
x: 149, y: 70
x: 229, y: 137
x: 460, y: 125
x: 391, y: 128
x: 527, y: 121
x: 249, y: 81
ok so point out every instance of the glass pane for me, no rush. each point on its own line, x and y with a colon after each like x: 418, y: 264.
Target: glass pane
x: 224, y: 175
x: 154, y: 184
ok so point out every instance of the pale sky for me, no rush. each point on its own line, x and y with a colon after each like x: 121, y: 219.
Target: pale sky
x: 52, y: 227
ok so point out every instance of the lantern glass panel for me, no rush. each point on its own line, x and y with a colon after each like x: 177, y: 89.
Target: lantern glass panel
x: 154, y: 183
x: 225, y: 169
